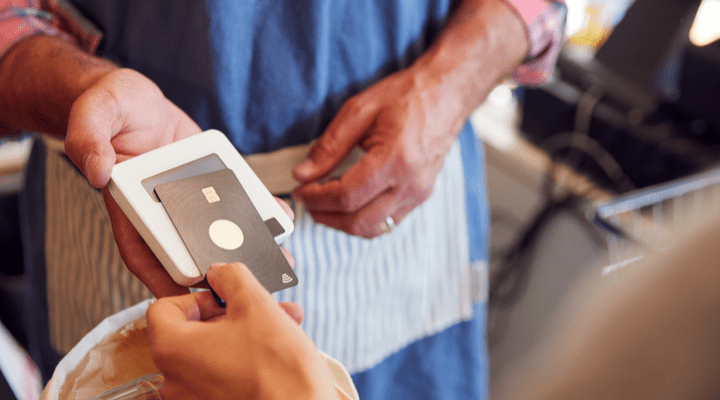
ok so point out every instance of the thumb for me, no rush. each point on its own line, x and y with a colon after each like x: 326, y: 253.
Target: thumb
x: 171, y: 311
x: 87, y: 142
x: 340, y: 137
x: 238, y: 287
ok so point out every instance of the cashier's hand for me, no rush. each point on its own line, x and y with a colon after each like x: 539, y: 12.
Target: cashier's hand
x: 406, y: 126
x: 124, y: 114
x: 252, y: 349
x: 120, y: 116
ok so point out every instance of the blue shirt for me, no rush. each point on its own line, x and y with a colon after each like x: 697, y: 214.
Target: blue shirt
x: 267, y: 73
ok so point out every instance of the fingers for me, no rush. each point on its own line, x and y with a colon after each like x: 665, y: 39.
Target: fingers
x: 185, y: 126
x: 122, y: 115
x: 368, y: 221
x: 238, y: 287
x: 167, y: 317
x: 87, y: 142
x: 362, y: 199
x: 344, y: 132
x: 200, y: 306
x: 359, y: 185
x: 171, y: 335
x: 137, y: 256
x: 288, y: 257
x: 286, y: 207
x: 294, y: 310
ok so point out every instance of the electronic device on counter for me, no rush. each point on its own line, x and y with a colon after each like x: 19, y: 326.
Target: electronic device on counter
x: 196, y: 202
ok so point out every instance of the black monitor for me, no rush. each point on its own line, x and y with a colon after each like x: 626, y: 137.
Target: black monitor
x: 660, y: 95
x: 647, y: 45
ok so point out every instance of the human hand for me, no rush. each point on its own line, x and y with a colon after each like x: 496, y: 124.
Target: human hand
x: 141, y: 261
x: 124, y: 114
x: 406, y: 124
x: 251, y: 349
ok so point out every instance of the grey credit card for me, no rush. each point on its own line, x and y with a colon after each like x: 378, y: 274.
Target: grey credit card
x: 201, y: 166
x: 218, y: 223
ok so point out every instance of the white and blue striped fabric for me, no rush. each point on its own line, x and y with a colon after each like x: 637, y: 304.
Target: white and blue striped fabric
x: 87, y: 280
x: 366, y: 299
x: 363, y: 299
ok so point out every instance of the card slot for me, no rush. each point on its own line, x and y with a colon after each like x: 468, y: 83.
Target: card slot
x: 201, y: 166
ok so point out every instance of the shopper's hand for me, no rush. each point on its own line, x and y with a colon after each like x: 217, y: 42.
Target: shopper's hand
x: 407, y: 126
x: 252, y: 349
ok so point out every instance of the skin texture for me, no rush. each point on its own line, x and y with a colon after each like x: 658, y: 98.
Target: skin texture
x: 40, y: 79
x: 408, y: 121
x: 123, y: 114
x: 252, y: 349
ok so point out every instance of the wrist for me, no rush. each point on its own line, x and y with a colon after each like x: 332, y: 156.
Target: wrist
x: 40, y: 79
x: 481, y: 46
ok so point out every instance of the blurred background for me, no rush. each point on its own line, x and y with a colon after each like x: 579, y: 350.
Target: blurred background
x: 603, y: 164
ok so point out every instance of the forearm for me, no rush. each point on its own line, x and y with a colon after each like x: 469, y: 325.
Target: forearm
x: 482, y: 44
x: 40, y: 78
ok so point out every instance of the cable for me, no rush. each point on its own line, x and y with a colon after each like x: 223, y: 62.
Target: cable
x: 511, y: 277
x: 584, y: 145
x: 587, y: 103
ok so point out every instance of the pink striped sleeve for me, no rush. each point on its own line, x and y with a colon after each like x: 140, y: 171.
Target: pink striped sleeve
x: 19, y: 19
x: 22, y: 18
x: 545, y: 25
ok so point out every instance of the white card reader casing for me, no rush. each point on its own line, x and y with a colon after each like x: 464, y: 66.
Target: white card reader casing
x: 149, y: 216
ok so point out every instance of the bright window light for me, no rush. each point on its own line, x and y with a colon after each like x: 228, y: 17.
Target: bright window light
x: 706, y: 29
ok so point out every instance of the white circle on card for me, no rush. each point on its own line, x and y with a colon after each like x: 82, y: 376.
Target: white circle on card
x: 226, y: 234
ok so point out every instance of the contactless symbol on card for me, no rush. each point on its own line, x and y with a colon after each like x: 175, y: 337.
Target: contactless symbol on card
x: 218, y: 222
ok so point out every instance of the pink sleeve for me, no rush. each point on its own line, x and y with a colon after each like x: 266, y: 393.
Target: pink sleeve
x: 545, y: 25
x: 22, y: 18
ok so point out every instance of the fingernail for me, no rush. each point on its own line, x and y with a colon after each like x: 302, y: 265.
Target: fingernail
x: 213, y: 269
x: 91, y: 164
x: 90, y: 161
x: 304, y: 169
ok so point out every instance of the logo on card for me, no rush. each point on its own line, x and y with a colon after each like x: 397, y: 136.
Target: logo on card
x: 210, y: 194
x: 286, y: 278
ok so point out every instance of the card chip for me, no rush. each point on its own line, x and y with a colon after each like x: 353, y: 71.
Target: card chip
x: 225, y: 231
x: 210, y: 194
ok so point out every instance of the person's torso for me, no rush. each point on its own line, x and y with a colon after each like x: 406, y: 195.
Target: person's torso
x: 268, y: 73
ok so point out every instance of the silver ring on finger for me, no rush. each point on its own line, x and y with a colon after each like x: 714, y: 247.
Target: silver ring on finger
x: 388, y: 225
